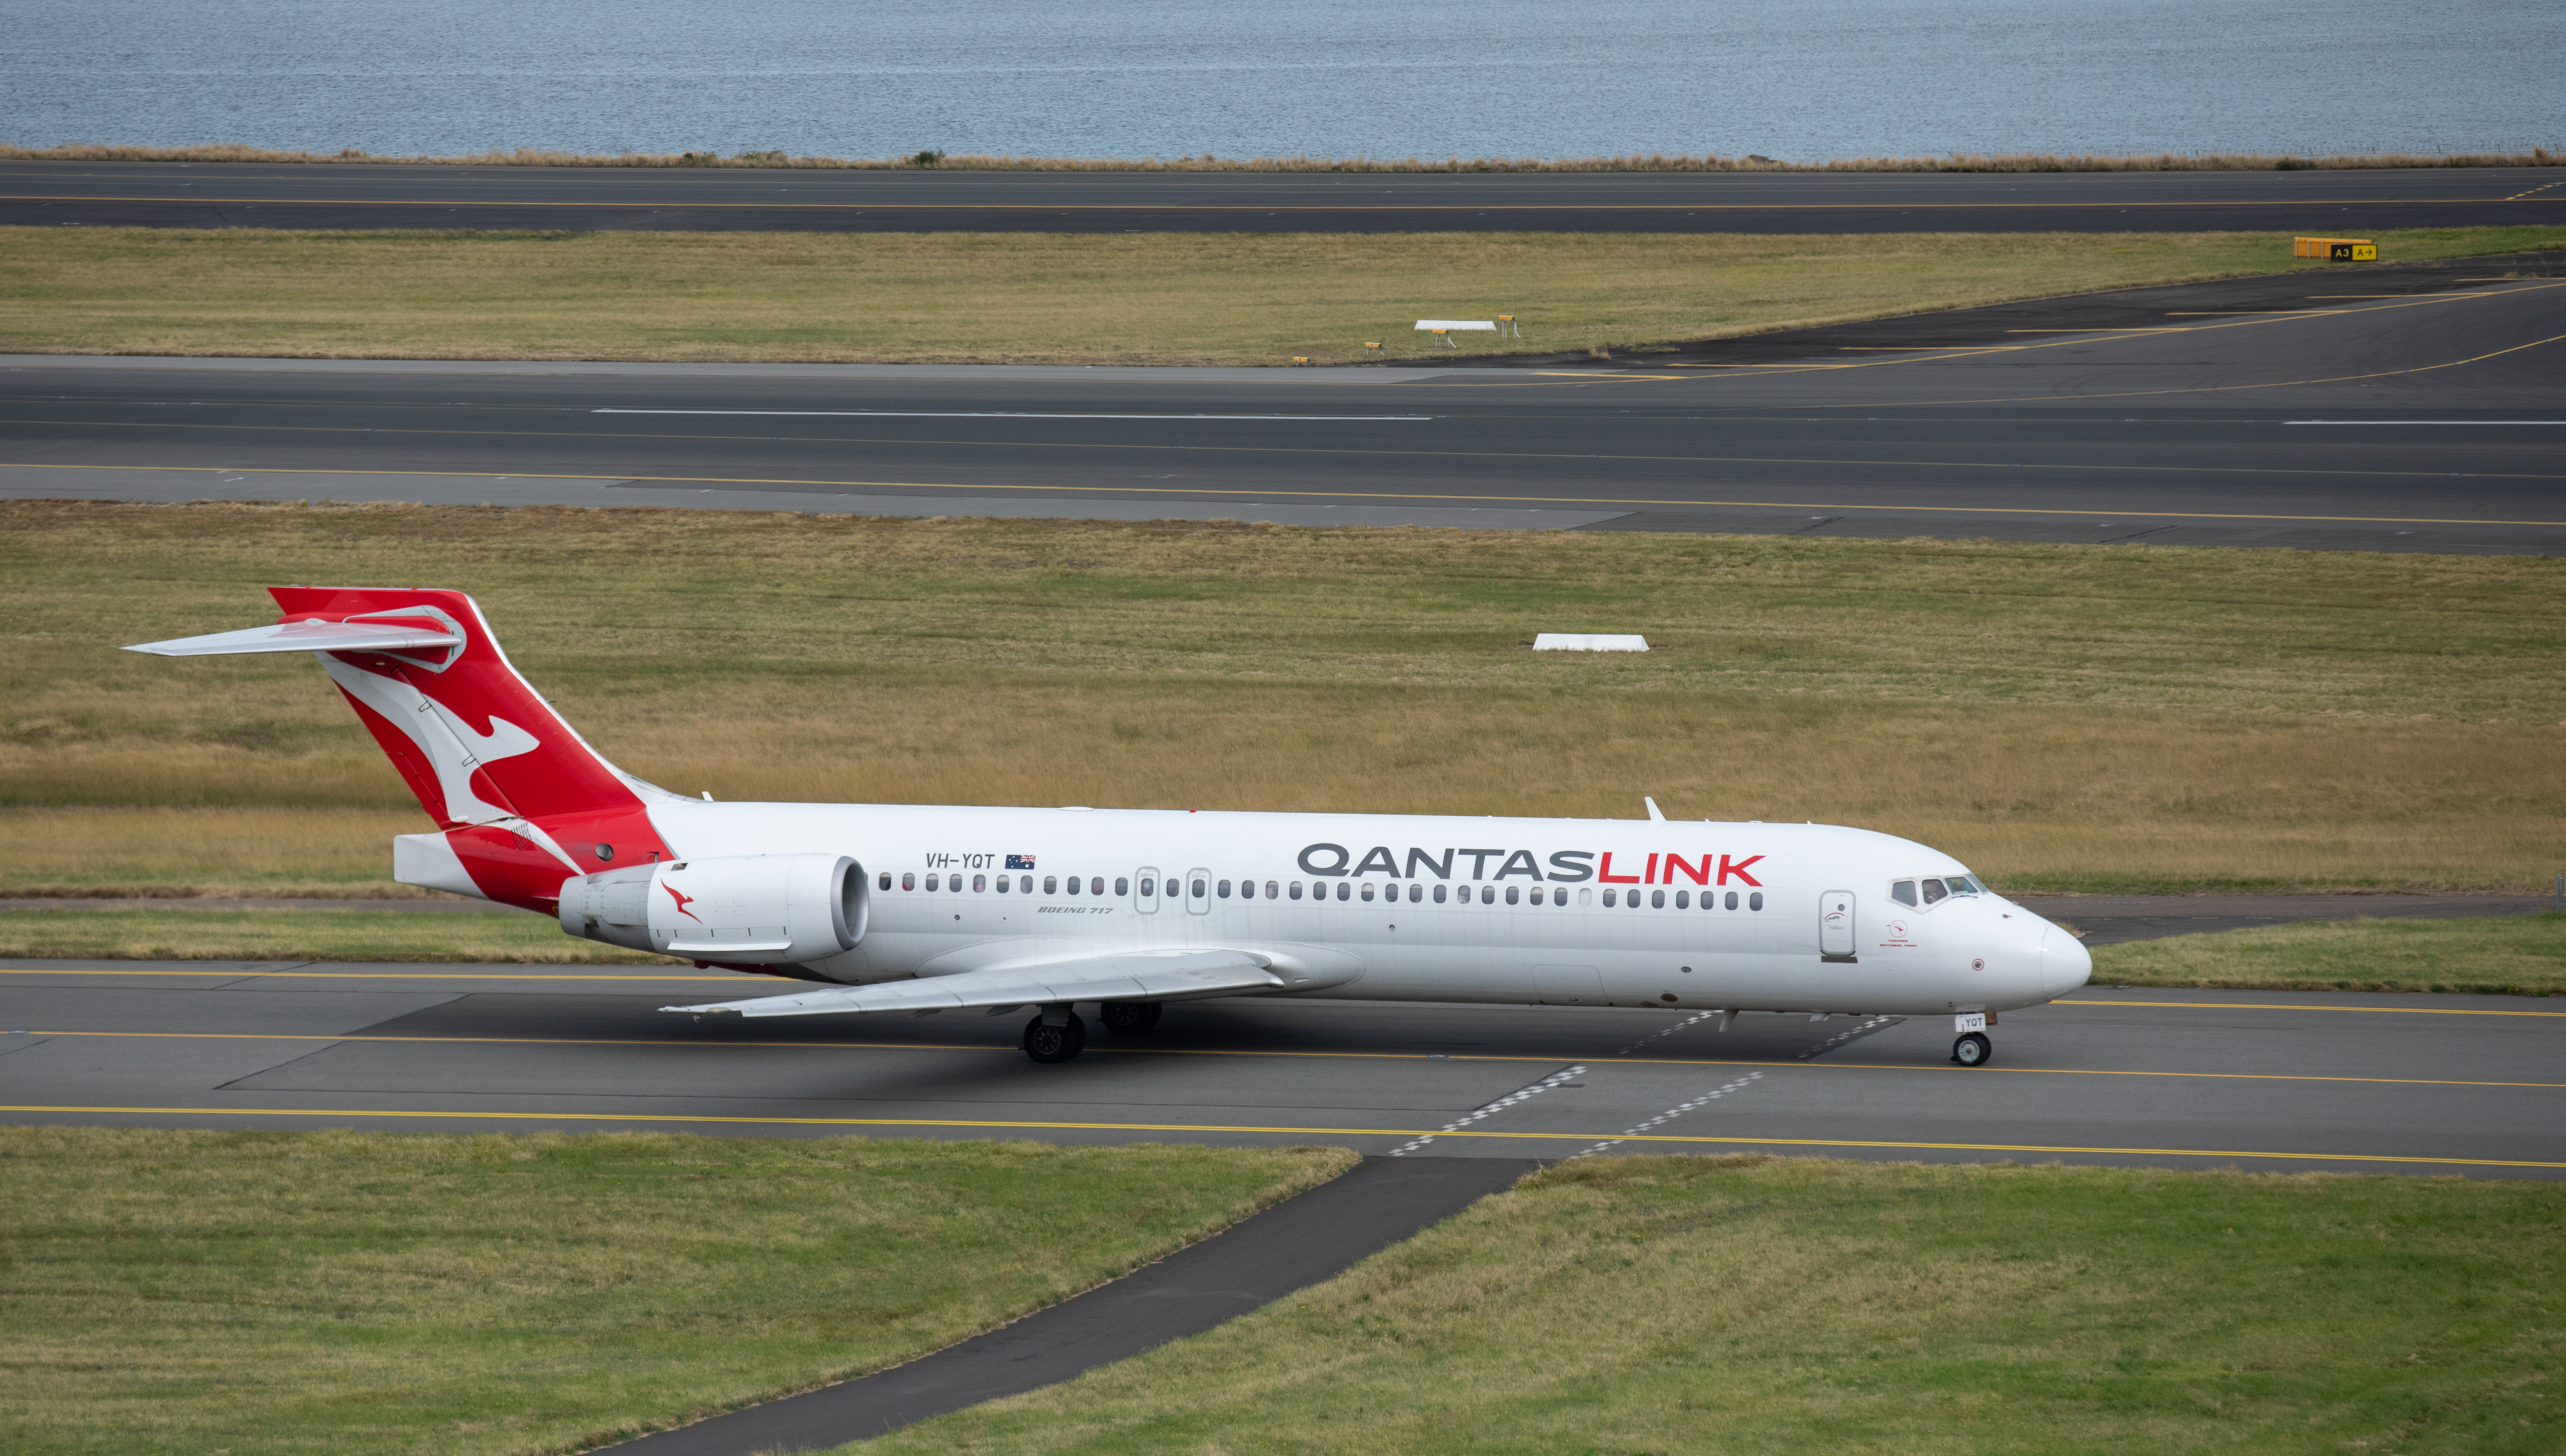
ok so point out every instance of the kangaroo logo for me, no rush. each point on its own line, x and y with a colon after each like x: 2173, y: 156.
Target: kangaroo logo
x: 684, y: 900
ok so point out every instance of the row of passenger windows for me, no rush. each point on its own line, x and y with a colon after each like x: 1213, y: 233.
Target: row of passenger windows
x: 1486, y: 895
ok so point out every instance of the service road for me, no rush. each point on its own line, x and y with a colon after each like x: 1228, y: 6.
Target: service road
x: 2414, y: 409
x: 2268, y: 1081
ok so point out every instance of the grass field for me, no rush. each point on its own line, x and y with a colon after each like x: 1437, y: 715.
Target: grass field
x: 337, y: 1292
x: 2060, y: 717
x: 2509, y: 955
x: 1168, y: 297
x: 1745, y: 1305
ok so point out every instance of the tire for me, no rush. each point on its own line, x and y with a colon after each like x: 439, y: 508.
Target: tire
x: 1049, y: 1043
x: 1972, y: 1049
x: 1130, y: 1018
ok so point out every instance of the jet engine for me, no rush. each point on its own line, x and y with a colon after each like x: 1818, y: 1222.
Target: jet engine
x: 755, y: 909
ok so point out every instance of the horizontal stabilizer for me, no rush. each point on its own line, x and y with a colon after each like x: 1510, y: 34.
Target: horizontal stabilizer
x: 309, y: 636
x: 1130, y: 976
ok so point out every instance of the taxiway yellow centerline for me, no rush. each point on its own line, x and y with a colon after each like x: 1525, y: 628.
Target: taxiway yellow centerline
x: 1285, y: 1131
x: 1257, y: 1052
x: 1351, y: 495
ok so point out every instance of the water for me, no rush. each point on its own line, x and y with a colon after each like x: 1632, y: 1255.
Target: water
x: 1793, y: 79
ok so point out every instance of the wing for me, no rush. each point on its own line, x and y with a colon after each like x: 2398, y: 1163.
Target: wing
x: 1181, y: 975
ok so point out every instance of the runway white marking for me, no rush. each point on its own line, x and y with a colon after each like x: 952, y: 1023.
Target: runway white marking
x: 1499, y: 1106
x: 1670, y: 1113
x: 996, y: 414
x: 2424, y: 421
x: 1699, y: 1016
x: 1860, y: 1028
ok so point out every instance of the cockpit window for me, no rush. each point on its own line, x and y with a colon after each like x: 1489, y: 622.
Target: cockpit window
x: 1934, y: 892
x: 1903, y: 891
x: 1960, y: 884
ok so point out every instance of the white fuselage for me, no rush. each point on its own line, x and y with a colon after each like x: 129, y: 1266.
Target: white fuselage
x: 1667, y: 914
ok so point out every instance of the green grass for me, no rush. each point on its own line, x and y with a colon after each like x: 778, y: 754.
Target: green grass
x: 294, y: 935
x: 2507, y: 955
x: 1745, y: 1305
x: 1158, y: 298
x: 337, y: 1292
x: 2060, y: 717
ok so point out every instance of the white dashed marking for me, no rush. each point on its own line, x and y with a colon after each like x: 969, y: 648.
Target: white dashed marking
x: 1668, y: 1032
x: 1499, y: 1106
x: 1861, y: 1029
x: 1678, y: 1110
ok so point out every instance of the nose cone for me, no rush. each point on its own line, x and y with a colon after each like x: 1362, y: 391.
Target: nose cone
x: 2065, y: 964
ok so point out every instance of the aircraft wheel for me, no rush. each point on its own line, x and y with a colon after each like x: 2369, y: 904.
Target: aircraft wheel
x: 1049, y: 1043
x: 1972, y: 1049
x: 1130, y: 1018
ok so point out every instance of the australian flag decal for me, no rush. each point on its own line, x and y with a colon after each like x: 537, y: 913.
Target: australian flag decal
x: 1020, y: 861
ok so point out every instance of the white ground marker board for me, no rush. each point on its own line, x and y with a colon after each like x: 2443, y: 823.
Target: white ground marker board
x: 1589, y: 642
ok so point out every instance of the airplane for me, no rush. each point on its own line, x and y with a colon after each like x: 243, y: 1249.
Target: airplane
x: 929, y: 908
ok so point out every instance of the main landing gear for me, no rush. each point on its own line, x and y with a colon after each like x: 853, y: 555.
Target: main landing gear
x: 1129, y: 1018
x: 1058, y: 1035
x: 1048, y: 1040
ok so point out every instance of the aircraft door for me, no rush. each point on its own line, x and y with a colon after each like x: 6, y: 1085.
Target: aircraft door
x: 1835, y: 925
x: 1146, y: 901
x: 1197, y: 892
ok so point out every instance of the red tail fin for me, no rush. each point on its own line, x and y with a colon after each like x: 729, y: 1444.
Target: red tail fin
x: 472, y: 739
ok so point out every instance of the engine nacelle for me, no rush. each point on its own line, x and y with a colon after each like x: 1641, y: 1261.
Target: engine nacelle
x: 757, y: 909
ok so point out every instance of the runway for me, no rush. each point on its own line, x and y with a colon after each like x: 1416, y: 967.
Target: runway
x: 360, y: 195
x: 2184, y: 1079
x: 2408, y: 408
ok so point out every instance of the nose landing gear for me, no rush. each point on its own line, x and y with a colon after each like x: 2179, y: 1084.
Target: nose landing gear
x: 1048, y: 1040
x: 1972, y: 1049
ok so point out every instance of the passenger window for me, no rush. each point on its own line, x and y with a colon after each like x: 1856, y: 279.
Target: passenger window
x: 979, y: 883
x: 1224, y: 890
x: 1121, y: 886
x: 930, y: 881
x: 885, y: 879
x: 909, y: 880
x: 1296, y: 889
x: 1051, y: 884
x: 1611, y: 897
x: 1684, y: 900
x: 1149, y: 889
x: 1755, y: 901
x: 1201, y: 890
x: 1274, y: 891
x: 1344, y: 889
x: 1903, y: 891
x: 1514, y: 893
x: 1441, y: 893
x: 1656, y: 899
x: 1095, y: 887
x: 1586, y: 897
x: 1367, y: 891
x: 1934, y: 892
x: 1005, y: 884
x: 1026, y: 884
x: 1072, y: 885
x: 1732, y: 899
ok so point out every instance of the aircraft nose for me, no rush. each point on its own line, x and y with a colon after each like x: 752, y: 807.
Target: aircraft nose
x: 2065, y: 964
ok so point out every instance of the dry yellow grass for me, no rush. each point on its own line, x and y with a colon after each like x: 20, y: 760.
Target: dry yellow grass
x: 1171, y: 298
x: 2057, y: 716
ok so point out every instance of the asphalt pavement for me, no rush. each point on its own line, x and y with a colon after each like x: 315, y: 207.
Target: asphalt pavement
x: 2271, y: 1080
x: 660, y: 199
x: 2414, y: 407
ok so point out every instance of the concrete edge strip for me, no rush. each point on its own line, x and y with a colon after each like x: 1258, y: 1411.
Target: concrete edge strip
x: 1305, y: 1239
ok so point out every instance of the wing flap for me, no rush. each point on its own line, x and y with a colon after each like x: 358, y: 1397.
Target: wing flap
x: 1131, y: 976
